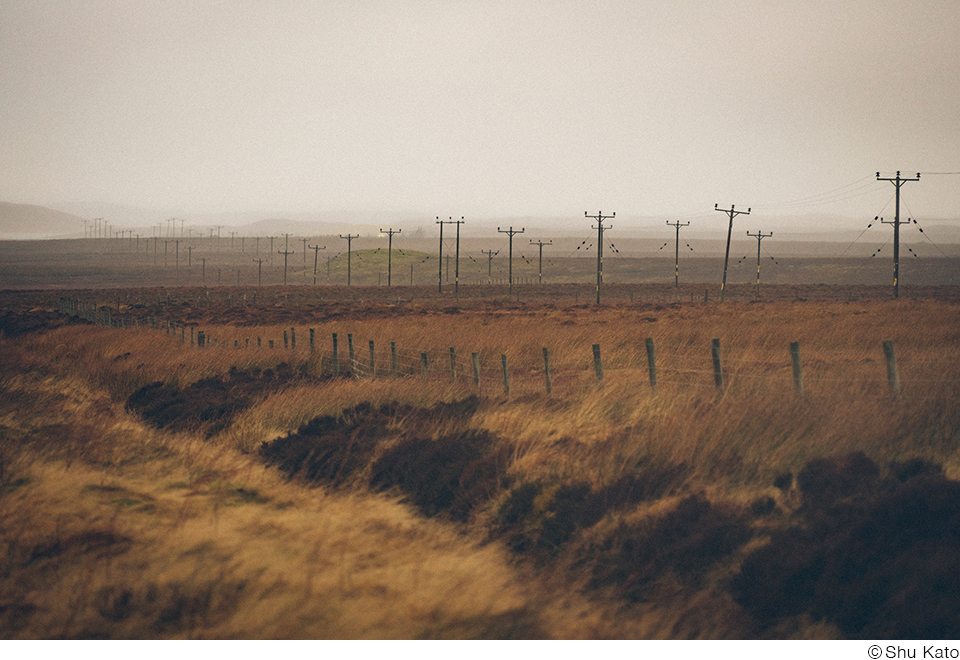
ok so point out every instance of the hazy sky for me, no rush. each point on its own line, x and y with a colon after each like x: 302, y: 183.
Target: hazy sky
x: 482, y: 108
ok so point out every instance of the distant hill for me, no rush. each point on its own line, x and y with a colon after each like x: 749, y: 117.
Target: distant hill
x: 26, y: 221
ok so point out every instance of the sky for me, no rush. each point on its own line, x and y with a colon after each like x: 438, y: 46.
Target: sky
x: 646, y: 108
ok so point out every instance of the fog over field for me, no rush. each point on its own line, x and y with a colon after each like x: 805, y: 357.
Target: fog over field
x: 523, y: 113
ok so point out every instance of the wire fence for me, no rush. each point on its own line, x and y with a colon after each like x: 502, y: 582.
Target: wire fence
x: 872, y: 370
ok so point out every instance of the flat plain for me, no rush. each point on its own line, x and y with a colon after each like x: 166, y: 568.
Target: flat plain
x: 422, y: 482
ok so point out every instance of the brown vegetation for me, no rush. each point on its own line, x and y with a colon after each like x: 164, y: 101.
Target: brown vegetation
x: 150, y: 488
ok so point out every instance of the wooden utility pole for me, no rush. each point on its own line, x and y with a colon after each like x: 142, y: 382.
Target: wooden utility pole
x: 600, y: 217
x: 726, y: 259
x: 316, y: 251
x: 440, y: 258
x: 510, y: 232
x: 540, y: 264
x: 286, y: 253
x: 676, y: 256
x: 898, y: 181
x: 490, y: 254
x: 456, y: 271
x: 259, y: 271
x: 349, y: 240
x: 759, y: 236
x: 390, y: 232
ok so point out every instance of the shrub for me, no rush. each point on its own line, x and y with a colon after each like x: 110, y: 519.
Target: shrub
x: 886, y: 564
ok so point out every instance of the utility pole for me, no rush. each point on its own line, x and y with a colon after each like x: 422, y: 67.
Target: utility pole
x: 203, y: 272
x: 260, y: 271
x: 490, y: 254
x: 233, y: 238
x: 177, y: 242
x: 390, y: 232
x: 349, y: 239
x: 540, y: 266
x: 316, y: 251
x: 510, y: 232
x: 304, y: 240
x: 898, y: 182
x: 189, y: 258
x: 285, y: 252
x: 440, y: 258
x: 600, y: 217
x: 676, y: 257
x: 759, y: 236
x: 218, y: 228
x: 456, y: 271
x: 726, y: 259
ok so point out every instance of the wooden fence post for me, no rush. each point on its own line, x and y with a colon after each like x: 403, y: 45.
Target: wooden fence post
x: 336, y: 356
x: 652, y: 363
x: 546, y: 369
x: 393, y: 359
x: 797, y: 370
x: 286, y: 340
x: 313, y: 345
x: 475, y: 358
x: 717, y: 367
x: 373, y: 363
x: 453, y: 363
x: 350, y: 353
x: 892, y: 376
x: 506, y: 374
x: 597, y: 365
x: 293, y: 339
x: 423, y: 364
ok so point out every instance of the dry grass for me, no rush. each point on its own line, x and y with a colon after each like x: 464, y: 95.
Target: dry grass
x: 113, y: 528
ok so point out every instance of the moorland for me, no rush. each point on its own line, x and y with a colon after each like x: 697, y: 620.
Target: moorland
x: 263, y: 486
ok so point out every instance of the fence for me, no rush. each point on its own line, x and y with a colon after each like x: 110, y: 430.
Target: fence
x: 493, y: 371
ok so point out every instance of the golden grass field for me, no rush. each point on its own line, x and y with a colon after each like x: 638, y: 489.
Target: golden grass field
x: 600, y: 510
